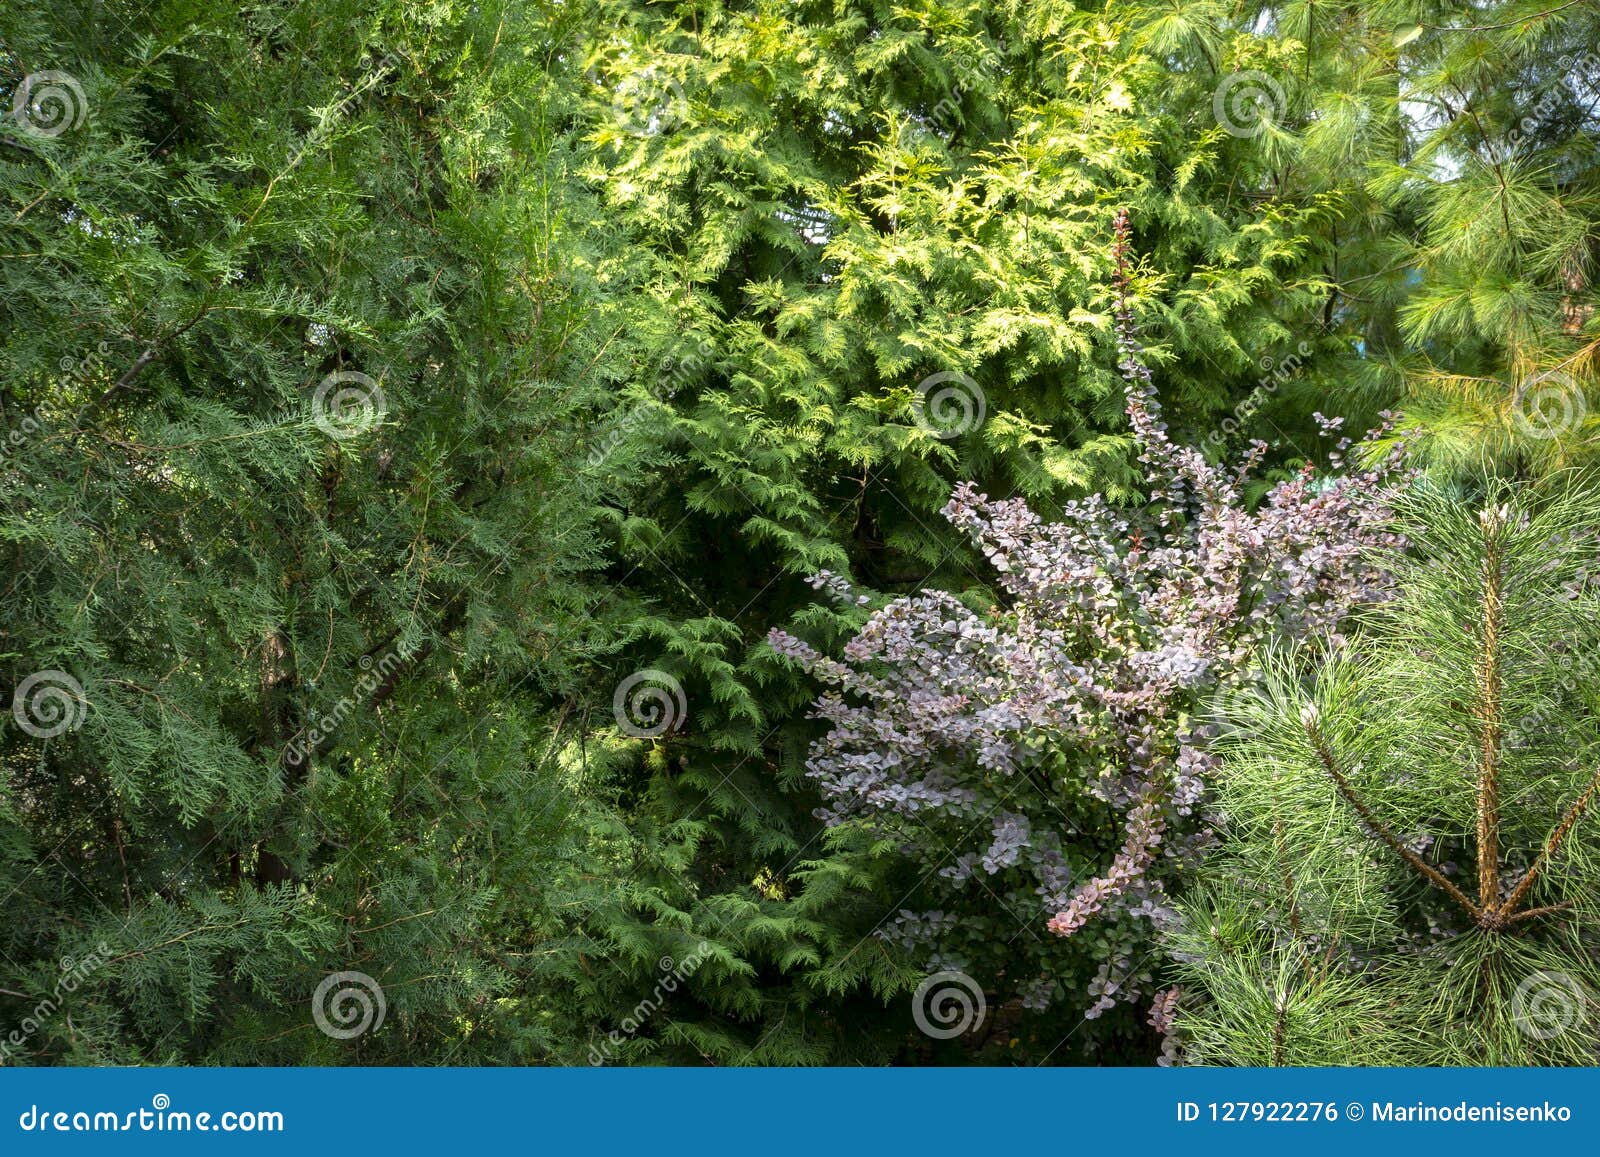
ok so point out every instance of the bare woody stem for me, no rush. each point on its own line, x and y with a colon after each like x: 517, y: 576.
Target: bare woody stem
x: 1487, y: 711
x: 1379, y: 829
x: 1530, y: 913
x: 1547, y: 853
x: 1280, y: 1030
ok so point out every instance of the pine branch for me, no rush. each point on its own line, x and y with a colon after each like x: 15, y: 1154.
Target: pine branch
x: 1280, y: 1027
x: 1544, y: 911
x: 1286, y: 874
x: 1542, y: 15
x: 1376, y: 826
x: 1551, y: 846
x: 1488, y: 713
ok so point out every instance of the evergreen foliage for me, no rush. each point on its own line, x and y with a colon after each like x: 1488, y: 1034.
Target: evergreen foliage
x: 292, y: 615
x: 1408, y: 862
x: 868, y: 252
x: 415, y: 419
x: 1496, y: 322
x: 1054, y: 753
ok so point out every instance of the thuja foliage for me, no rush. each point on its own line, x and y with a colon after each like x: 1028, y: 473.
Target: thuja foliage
x: 1044, y: 762
x: 811, y: 209
x: 1451, y: 151
x: 1409, y: 855
x: 817, y: 206
x: 301, y: 627
x: 627, y: 313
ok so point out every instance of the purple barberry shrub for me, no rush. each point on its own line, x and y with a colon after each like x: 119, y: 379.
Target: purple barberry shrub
x: 1047, y: 759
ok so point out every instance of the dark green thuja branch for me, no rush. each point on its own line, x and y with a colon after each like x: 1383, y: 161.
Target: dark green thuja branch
x: 1325, y: 756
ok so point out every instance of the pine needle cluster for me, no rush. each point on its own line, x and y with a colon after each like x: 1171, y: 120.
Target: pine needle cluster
x: 1410, y: 850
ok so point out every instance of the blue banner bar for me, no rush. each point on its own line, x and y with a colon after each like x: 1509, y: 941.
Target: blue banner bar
x: 817, y: 1113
